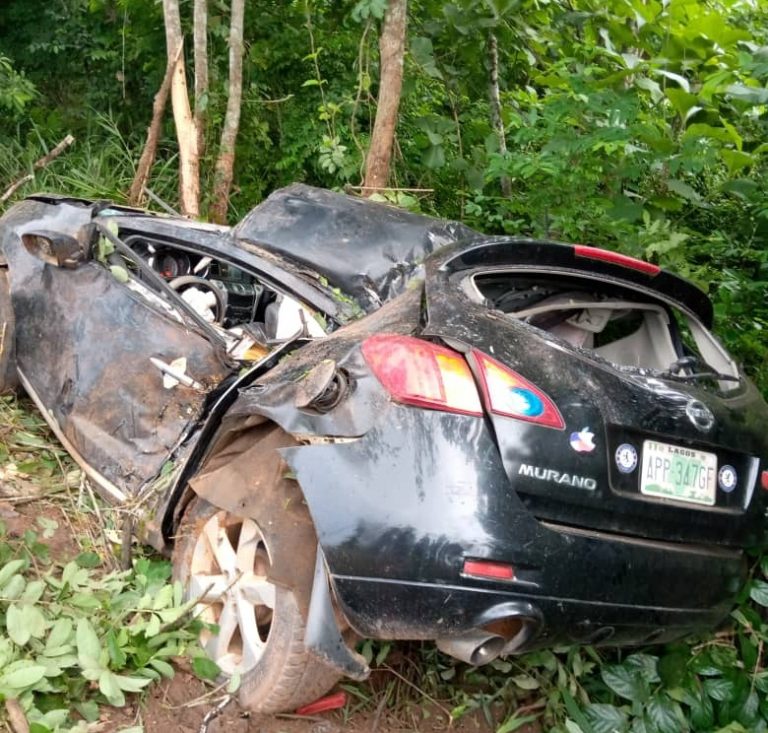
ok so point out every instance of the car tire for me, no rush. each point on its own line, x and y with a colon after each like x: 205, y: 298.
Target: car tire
x: 9, y: 380
x: 277, y: 672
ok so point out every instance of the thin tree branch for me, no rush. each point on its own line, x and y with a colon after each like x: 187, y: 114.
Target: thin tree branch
x: 37, y: 165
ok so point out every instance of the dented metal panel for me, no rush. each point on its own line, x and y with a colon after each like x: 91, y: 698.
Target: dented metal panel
x: 369, y: 250
x: 84, y: 344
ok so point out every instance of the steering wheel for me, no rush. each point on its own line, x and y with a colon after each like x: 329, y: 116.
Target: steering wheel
x: 180, y: 284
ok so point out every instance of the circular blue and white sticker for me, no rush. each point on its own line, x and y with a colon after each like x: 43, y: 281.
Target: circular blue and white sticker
x: 626, y: 458
x: 727, y: 479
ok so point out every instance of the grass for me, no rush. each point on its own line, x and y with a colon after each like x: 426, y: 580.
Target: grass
x: 100, y: 166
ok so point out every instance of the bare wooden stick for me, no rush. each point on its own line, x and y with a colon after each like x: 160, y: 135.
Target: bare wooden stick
x: 16, y: 716
x: 37, y: 165
x: 390, y: 188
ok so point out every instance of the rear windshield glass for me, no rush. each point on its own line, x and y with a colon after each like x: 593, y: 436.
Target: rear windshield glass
x: 624, y: 326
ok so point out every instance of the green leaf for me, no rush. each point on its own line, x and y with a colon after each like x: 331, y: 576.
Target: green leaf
x: 234, y: 684
x: 744, y: 93
x: 582, y: 724
x: 526, y: 682
x: 14, y: 587
x: 683, y: 190
x: 119, y: 273
x: 682, y: 101
x: 514, y: 723
x: 117, y: 656
x: 702, y: 710
x: 719, y: 689
x: 88, y: 560
x: 88, y: 709
x: 88, y: 646
x: 23, y: 676
x: 109, y: 687
x: 681, y: 80
x: 15, y: 626
x: 39, y: 728
x: 606, y: 718
x: 625, y: 682
x: 164, y: 598
x: 131, y: 684
x: 205, y: 669
x: 673, y: 668
x: 163, y: 667
x: 10, y: 569
x: 434, y: 157
x: 662, y: 712
x: 737, y: 160
x: 33, y: 592
x: 645, y: 664
x: 24, y: 622
x: 759, y: 592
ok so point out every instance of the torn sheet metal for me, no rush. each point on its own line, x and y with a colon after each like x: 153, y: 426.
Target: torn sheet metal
x: 85, y: 344
x: 248, y: 477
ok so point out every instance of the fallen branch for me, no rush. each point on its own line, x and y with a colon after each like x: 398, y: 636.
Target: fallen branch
x: 147, y: 159
x: 390, y: 188
x: 214, y: 713
x: 37, y: 165
x: 16, y: 716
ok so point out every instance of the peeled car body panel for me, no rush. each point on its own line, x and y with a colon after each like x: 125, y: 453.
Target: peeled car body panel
x: 84, y: 343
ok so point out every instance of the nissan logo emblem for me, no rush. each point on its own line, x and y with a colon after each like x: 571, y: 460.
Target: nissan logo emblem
x: 700, y: 415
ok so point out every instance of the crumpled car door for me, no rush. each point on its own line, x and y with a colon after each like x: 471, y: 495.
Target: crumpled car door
x: 88, y: 346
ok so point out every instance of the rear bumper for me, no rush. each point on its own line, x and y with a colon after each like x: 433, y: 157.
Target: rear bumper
x: 386, y: 609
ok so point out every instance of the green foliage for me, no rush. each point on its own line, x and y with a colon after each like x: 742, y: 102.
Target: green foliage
x: 16, y: 91
x: 74, y: 637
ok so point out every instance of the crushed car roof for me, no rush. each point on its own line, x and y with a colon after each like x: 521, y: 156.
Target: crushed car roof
x: 369, y: 250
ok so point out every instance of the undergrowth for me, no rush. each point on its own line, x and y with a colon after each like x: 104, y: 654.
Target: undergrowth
x: 76, y: 633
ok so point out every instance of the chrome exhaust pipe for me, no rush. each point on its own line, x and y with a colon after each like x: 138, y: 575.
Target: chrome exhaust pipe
x: 475, y: 647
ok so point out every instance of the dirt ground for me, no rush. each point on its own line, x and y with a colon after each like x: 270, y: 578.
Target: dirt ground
x: 181, y: 705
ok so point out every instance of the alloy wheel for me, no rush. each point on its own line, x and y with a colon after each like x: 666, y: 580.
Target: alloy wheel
x: 228, y: 574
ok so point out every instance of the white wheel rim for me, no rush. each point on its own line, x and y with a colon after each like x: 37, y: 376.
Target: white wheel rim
x: 228, y: 573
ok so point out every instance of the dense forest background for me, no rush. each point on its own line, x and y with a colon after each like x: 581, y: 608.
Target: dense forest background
x: 637, y: 125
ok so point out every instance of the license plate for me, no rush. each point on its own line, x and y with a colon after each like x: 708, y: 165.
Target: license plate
x: 683, y: 474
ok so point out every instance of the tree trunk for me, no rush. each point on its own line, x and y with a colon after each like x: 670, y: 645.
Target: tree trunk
x: 200, y: 35
x: 189, y: 160
x: 495, y: 101
x: 391, y: 52
x: 225, y: 163
x: 147, y: 160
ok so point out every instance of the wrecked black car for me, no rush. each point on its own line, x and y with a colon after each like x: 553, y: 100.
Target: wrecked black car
x: 345, y: 420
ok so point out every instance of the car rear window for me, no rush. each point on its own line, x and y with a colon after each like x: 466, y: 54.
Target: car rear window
x: 625, y: 326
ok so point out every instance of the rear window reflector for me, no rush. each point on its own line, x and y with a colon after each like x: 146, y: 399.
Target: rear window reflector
x: 489, y: 569
x: 615, y: 258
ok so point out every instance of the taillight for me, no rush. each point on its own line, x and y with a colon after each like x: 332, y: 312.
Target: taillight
x: 509, y: 394
x: 418, y: 372
x: 616, y: 258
